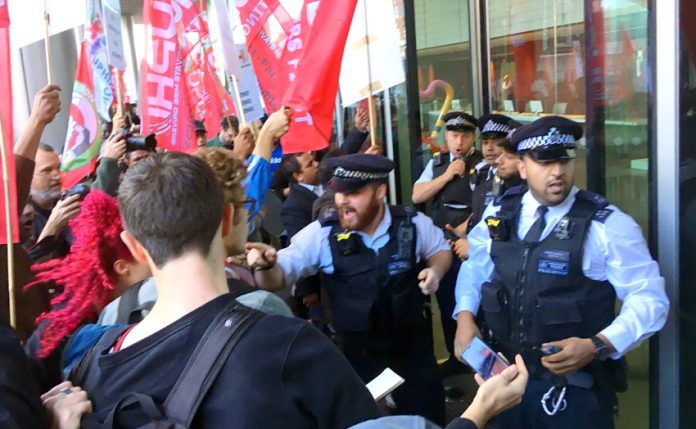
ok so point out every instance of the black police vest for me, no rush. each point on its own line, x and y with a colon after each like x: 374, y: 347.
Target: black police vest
x: 539, y: 292
x: 484, y: 194
x: 456, y: 192
x: 375, y: 292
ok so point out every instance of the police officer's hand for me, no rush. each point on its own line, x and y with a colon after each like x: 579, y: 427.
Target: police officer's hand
x: 460, y: 248
x: 466, y: 331
x: 429, y: 281
x: 576, y: 353
x: 459, y: 230
x: 498, y: 393
x: 260, y: 256
x: 456, y: 168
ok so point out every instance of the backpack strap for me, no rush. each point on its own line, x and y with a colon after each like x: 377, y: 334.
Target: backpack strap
x: 207, y: 361
x: 78, y: 372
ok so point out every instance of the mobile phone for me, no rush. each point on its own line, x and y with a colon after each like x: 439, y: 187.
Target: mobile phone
x: 550, y: 350
x: 483, y: 359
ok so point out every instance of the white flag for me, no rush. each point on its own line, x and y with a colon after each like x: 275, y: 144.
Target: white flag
x: 386, y: 67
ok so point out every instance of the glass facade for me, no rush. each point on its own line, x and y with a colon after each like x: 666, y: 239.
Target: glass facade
x: 687, y: 213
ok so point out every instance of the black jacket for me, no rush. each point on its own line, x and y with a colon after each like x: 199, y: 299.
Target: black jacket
x: 20, y: 406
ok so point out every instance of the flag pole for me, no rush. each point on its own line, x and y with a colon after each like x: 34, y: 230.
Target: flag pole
x: 8, y: 225
x: 119, y: 93
x: 370, y: 101
x: 47, y: 43
x: 235, y: 84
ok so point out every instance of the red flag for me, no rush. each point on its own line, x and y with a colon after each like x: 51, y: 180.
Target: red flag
x: 83, y: 140
x: 207, y: 97
x: 8, y: 135
x: 313, y: 91
x: 165, y: 110
x: 297, y: 59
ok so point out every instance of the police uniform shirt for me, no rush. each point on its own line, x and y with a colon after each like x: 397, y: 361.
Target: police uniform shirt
x: 427, y: 175
x: 309, y: 251
x: 614, y: 250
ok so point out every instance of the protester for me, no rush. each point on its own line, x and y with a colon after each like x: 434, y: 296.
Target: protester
x: 229, y: 129
x: 98, y: 269
x: 185, y: 251
x: 201, y: 134
x: 30, y: 304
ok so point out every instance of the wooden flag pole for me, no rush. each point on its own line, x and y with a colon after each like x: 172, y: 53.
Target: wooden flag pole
x: 8, y: 225
x: 119, y: 92
x: 370, y: 101
x: 235, y: 84
x: 47, y: 43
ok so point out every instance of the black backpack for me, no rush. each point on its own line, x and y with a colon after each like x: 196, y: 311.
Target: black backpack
x: 199, y: 374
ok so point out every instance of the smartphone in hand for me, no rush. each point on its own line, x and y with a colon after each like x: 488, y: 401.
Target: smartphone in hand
x: 483, y: 359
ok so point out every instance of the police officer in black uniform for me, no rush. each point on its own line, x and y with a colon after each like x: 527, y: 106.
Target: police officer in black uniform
x: 494, y: 130
x: 446, y: 183
x: 546, y: 265
x: 379, y: 263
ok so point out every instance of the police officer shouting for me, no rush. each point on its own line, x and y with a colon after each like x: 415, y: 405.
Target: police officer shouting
x: 546, y: 264
x: 446, y: 181
x: 379, y: 263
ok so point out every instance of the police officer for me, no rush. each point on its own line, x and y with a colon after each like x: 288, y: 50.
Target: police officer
x: 379, y: 263
x: 546, y: 265
x: 494, y: 129
x: 446, y: 182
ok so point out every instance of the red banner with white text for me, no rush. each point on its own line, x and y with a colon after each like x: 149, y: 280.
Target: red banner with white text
x: 165, y: 109
x: 297, y: 59
x: 7, y: 130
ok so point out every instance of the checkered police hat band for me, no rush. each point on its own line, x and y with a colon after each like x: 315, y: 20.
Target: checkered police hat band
x: 494, y: 127
x: 554, y: 137
x: 342, y: 173
x: 459, y: 122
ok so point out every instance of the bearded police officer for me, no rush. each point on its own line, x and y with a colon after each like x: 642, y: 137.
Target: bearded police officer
x: 546, y: 264
x: 379, y: 263
x: 446, y: 181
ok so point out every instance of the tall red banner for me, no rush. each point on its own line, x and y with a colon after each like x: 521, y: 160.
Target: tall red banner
x: 297, y: 60
x: 165, y: 109
x: 8, y: 135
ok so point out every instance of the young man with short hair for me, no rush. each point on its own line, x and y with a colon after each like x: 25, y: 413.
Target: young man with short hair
x: 282, y: 373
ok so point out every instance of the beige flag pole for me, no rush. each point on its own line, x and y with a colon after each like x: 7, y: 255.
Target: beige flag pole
x: 370, y: 101
x: 8, y: 224
x: 47, y: 42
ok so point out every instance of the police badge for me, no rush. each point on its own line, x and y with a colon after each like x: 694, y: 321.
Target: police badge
x: 564, y: 229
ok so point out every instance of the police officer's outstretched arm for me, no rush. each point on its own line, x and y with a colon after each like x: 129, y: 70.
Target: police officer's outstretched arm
x: 261, y: 259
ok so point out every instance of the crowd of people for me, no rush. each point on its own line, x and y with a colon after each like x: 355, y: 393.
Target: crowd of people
x: 159, y: 291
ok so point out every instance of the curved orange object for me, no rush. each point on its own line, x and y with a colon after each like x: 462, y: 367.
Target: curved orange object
x: 429, y: 93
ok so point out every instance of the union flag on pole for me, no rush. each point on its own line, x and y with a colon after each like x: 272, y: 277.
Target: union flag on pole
x: 83, y: 140
x: 7, y: 130
x: 297, y: 58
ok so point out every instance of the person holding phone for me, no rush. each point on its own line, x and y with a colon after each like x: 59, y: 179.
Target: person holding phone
x: 546, y: 266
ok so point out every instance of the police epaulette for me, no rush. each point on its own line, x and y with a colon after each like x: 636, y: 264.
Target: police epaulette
x: 438, y: 159
x: 510, y: 193
x: 601, y: 215
x: 329, y: 218
x: 593, y: 198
